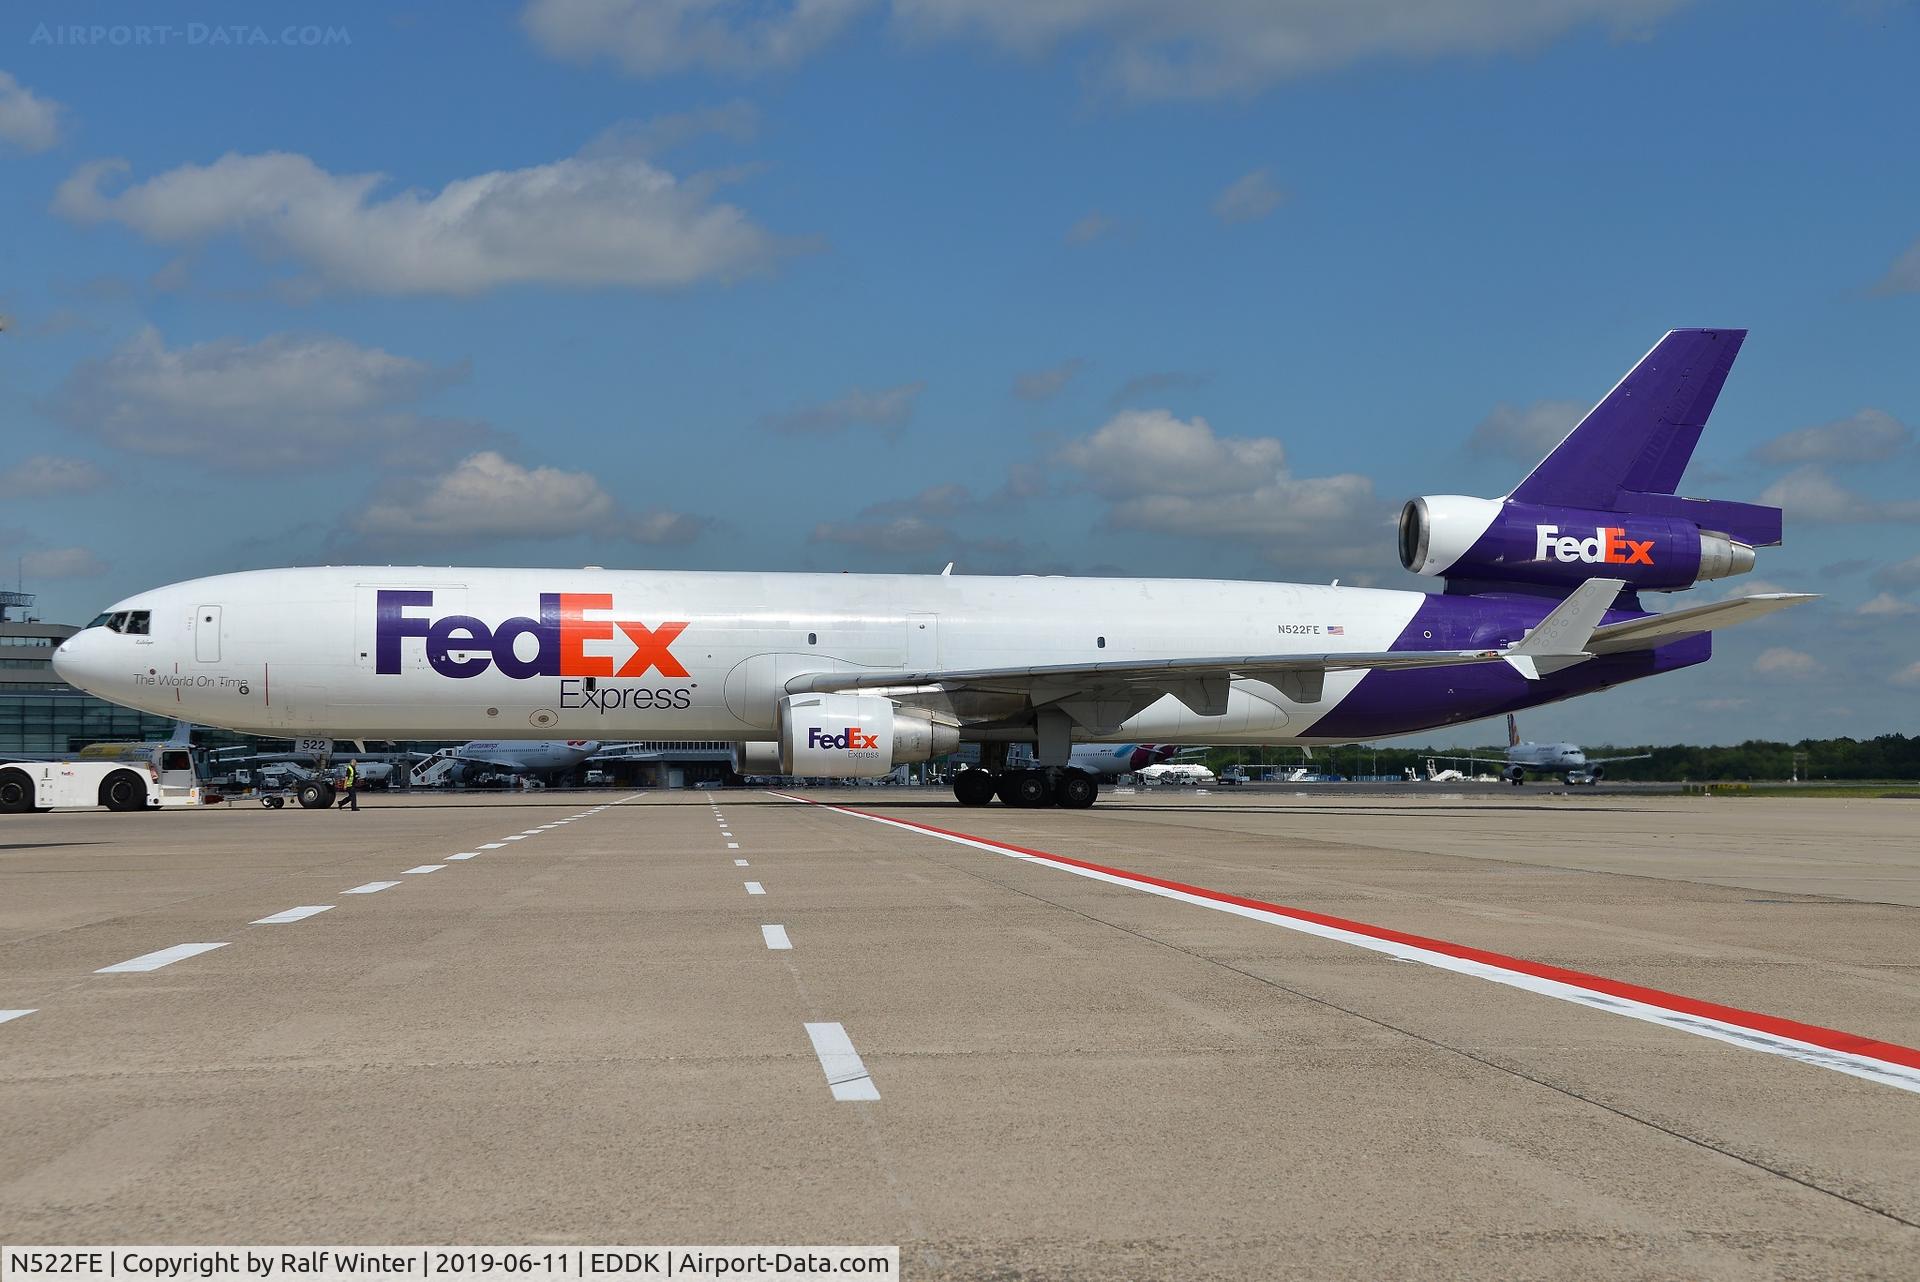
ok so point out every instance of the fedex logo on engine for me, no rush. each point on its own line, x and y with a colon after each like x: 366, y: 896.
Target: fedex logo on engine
x: 460, y: 645
x: 853, y: 737
x: 1609, y: 545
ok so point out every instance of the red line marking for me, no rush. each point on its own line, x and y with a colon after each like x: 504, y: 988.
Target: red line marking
x: 1773, y: 1025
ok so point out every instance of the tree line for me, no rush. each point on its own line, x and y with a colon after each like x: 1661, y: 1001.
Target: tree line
x: 1885, y: 757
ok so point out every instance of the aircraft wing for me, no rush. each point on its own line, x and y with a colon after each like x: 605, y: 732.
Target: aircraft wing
x: 1638, y: 756
x: 1658, y: 629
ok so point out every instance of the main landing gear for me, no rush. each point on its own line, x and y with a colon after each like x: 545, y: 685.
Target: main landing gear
x: 1027, y: 789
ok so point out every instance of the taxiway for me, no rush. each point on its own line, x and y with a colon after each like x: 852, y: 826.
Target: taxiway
x: 1115, y: 1043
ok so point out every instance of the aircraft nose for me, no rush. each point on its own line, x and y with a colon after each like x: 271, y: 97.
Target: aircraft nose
x: 76, y: 662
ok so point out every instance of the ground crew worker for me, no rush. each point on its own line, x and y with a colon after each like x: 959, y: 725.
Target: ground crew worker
x: 350, y: 793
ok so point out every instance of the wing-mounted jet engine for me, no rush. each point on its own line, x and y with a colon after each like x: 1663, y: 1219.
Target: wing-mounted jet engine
x: 1603, y: 503
x: 856, y: 736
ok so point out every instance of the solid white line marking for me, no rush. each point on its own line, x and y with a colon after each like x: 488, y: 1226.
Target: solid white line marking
x: 493, y: 845
x: 776, y: 937
x: 466, y: 854
x: 755, y: 888
x: 845, y: 1073
x: 371, y: 888
x: 6, y: 1015
x: 423, y: 868
x: 1743, y: 1036
x: 154, y: 961
x: 301, y: 913
x: 739, y: 863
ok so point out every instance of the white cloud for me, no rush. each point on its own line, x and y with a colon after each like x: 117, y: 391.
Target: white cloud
x: 1809, y: 494
x: 61, y: 563
x: 1779, y: 661
x: 1146, y: 48
x: 737, y: 120
x: 1888, y: 606
x: 487, y: 495
x: 1900, y: 574
x: 887, y: 409
x: 39, y: 475
x: 1248, y: 198
x: 902, y: 534
x: 1089, y: 228
x: 1167, y: 475
x: 1908, y: 676
x: 27, y: 120
x: 589, y: 221
x: 653, y: 37
x: 1045, y: 384
x: 307, y: 400
x: 1525, y: 432
x: 1869, y: 436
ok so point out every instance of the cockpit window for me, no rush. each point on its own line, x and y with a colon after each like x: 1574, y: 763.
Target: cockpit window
x: 134, y: 623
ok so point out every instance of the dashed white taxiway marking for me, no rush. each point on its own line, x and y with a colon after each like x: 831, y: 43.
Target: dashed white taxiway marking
x: 301, y: 913
x: 776, y: 937
x: 733, y: 845
x: 423, y: 868
x: 493, y: 845
x: 845, y: 1073
x: 755, y: 888
x: 518, y: 837
x: 371, y: 888
x: 6, y: 1015
x: 466, y: 854
x: 154, y: 961
x: 725, y: 833
x: 739, y: 863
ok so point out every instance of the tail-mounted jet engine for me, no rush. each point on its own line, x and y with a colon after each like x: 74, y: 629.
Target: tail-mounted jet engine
x: 858, y: 736
x: 1500, y: 541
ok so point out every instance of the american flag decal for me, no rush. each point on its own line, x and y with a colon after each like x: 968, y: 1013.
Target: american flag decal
x: 1335, y: 630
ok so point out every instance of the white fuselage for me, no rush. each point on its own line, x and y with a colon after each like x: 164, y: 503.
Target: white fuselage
x: 397, y: 652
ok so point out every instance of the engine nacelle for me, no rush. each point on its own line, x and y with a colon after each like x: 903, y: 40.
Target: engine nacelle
x: 856, y: 736
x: 756, y: 758
x: 1503, y: 541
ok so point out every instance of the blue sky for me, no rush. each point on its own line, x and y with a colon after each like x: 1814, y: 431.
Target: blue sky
x: 1065, y: 286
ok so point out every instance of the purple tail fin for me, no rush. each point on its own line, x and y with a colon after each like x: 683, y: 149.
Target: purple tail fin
x: 1627, y: 455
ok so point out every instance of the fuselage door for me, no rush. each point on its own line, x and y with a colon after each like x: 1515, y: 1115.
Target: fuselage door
x: 206, y: 633
x: 923, y: 643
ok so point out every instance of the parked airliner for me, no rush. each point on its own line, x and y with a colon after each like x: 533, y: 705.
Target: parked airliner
x: 850, y: 675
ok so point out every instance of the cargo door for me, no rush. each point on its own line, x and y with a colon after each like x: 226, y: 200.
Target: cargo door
x: 206, y: 633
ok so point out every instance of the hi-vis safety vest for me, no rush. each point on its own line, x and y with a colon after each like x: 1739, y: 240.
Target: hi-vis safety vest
x: 353, y: 775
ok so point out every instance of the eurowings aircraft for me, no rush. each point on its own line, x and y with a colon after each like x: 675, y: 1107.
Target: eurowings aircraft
x: 1568, y: 760
x: 850, y: 675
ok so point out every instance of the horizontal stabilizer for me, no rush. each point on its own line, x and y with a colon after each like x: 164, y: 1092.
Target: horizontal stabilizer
x: 1659, y: 629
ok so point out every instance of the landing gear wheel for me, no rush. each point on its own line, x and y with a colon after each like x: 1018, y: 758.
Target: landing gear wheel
x: 122, y: 790
x: 16, y: 793
x: 973, y: 787
x: 1026, y: 789
x: 273, y: 803
x: 315, y: 795
x: 1076, y: 791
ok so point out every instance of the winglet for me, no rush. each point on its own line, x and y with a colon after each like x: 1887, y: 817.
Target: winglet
x: 1560, y: 640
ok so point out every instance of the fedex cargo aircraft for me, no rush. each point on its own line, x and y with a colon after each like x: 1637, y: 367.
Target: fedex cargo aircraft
x: 1543, y: 598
